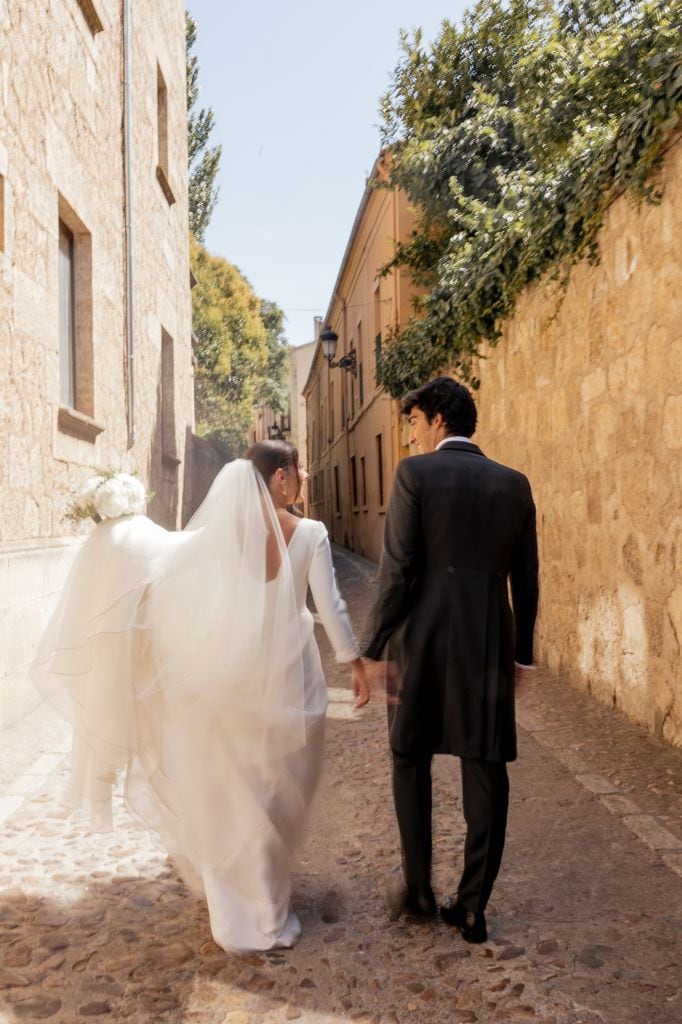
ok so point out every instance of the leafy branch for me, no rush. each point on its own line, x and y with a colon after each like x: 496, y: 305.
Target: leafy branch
x: 511, y: 136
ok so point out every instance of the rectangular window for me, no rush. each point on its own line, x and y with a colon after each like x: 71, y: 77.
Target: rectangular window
x: 380, y: 467
x: 361, y: 387
x: 91, y: 16
x: 351, y: 385
x: 75, y: 302
x: 331, y: 410
x: 162, y: 172
x: 354, y: 480
x: 377, y: 355
x: 337, y: 492
x: 363, y: 481
x: 168, y: 440
x: 67, y: 319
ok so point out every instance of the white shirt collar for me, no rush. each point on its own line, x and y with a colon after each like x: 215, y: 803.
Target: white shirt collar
x: 453, y: 437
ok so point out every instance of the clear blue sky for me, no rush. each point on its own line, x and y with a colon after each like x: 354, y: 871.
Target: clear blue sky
x: 295, y: 88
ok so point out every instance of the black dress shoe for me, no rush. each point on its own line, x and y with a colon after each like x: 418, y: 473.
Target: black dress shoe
x: 470, y: 923
x: 401, y: 900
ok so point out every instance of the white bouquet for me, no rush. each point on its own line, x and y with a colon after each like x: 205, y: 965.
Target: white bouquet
x: 109, y: 495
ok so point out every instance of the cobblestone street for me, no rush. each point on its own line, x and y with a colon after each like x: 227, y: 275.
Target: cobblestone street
x: 585, y: 924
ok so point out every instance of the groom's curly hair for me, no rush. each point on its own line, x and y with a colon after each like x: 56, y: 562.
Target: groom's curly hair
x: 448, y: 397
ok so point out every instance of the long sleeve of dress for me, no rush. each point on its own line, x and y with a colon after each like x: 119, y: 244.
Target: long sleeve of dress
x: 330, y: 606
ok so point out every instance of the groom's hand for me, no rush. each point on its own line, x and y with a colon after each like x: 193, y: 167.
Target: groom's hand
x: 383, y: 677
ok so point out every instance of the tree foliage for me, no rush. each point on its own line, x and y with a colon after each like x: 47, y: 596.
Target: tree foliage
x: 204, y: 160
x: 240, y: 350
x: 511, y: 135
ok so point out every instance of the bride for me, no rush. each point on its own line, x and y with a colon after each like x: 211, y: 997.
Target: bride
x: 187, y: 662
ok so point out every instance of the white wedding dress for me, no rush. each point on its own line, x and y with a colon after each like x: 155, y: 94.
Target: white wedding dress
x: 183, y: 667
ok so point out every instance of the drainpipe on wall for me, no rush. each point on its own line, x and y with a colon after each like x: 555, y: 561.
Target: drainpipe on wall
x: 127, y: 176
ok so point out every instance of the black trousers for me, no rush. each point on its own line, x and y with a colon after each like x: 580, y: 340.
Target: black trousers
x: 485, y: 795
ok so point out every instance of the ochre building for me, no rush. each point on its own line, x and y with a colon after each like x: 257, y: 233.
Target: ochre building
x: 355, y: 436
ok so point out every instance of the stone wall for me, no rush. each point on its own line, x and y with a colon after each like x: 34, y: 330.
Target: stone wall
x: 203, y: 462
x: 61, y: 158
x: 587, y: 400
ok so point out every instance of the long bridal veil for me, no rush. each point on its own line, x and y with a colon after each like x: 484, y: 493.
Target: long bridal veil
x: 177, y: 658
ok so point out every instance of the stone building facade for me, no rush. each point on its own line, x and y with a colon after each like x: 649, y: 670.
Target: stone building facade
x: 587, y: 400
x: 95, y: 303
x: 355, y: 437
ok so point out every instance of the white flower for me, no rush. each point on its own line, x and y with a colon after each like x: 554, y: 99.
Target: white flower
x: 87, y: 492
x: 134, y: 492
x: 110, y: 499
x: 108, y: 496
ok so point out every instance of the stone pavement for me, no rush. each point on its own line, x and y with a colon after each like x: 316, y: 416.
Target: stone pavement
x: 586, y: 924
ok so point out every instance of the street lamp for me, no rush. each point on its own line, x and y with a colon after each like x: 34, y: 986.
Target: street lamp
x: 328, y: 340
x: 279, y: 427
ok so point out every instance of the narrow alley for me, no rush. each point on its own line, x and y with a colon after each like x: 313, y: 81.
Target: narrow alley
x: 585, y: 925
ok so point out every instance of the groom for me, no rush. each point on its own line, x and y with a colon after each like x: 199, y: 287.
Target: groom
x: 459, y: 527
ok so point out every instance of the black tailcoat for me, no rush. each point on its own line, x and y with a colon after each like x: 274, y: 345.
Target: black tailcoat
x: 459, y: 528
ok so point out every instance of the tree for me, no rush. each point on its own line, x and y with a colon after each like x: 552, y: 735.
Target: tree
x: 204, y: 161
x: 511, y: 135
x: 241, y: 352
x: 274, y: 391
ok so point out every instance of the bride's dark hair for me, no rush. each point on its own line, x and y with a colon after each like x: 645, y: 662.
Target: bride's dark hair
x: 269, y: 456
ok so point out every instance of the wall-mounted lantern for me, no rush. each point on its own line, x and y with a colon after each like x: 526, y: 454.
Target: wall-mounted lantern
x: 328, y: 340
